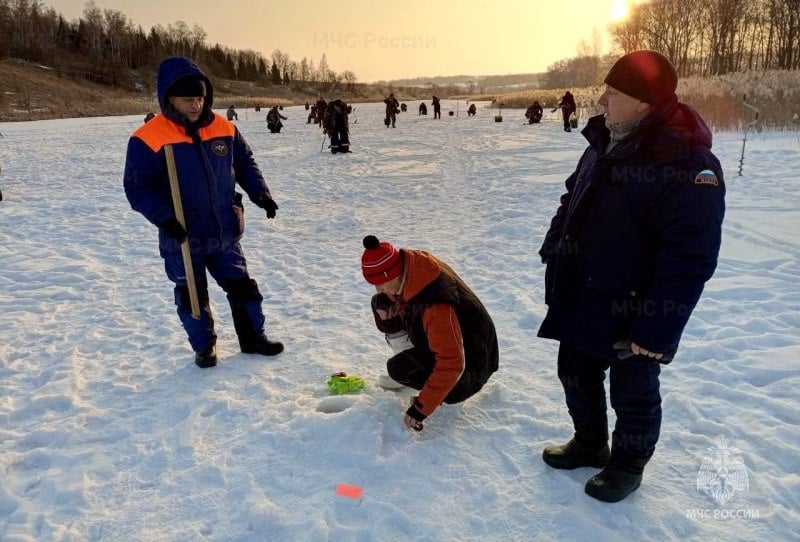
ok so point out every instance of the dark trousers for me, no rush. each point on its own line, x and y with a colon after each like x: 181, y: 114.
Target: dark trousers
x: 413, y: 367
x: 566, y: 112
x: 229, y: 268
x: 635, y: 398
x: 340, y: 141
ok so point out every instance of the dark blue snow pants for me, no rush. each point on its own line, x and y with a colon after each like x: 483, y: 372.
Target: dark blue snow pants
x: 229, y: 268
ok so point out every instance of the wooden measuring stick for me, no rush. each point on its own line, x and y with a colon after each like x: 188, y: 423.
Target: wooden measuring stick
x: 187, y: 255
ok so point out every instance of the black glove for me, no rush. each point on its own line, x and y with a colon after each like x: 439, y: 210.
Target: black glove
x: 173, y: 229
x: 413, y: 418
x: 266, y: 202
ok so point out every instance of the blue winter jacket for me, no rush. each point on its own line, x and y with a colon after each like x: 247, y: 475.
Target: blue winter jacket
x: 636, y: 236
x: 211, y: 156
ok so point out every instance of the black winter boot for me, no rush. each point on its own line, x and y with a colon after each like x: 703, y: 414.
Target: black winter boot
x: 265, y: 347
x: 575, y: 454
x: 206, y: 359
x: 613, y: 483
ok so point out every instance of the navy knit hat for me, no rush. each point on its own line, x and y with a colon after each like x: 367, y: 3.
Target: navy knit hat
x: 188, y: 86
x: 645, y: 75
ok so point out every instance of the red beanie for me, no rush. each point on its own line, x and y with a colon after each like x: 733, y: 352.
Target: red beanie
x: 381, y: 262
x: 645, y: 75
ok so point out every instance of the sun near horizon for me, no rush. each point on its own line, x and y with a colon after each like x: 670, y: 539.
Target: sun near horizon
x: 620, y: 10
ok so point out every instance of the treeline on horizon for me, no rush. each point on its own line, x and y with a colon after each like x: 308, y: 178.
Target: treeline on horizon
x: 106, y: 47
x: 702, y: 38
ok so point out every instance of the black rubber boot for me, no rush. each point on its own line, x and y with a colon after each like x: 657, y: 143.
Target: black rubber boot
x: 265, y: 347
x: 251, y: 340
x: 207, y: 359
x: 575, y: 454
x: 613, y: 483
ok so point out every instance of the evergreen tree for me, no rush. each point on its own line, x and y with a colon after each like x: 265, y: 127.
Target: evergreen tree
x: 275, y: 75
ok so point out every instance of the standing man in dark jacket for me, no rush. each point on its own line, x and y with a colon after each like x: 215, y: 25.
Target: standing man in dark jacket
x: 391, y: 110
x: 444, y: 339
x: 568, y: 107
x: 211, y: 157
x: 628, y: 252
x: 337, y: 126
x: 319, y: 110
x: 437, y: 107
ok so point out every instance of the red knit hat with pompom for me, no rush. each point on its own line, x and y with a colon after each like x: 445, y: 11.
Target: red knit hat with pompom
x: 381, y: 262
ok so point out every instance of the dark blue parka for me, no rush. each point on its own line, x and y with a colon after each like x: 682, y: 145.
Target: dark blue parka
x: 636, y: 236
x: 211, y: 156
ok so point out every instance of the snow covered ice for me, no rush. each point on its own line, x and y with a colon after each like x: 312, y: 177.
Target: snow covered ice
x: 108, y: 431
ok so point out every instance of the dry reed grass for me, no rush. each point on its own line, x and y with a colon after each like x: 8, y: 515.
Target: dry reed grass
x: 775, y: 93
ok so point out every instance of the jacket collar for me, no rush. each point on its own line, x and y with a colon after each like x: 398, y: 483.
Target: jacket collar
x: 666, y: 133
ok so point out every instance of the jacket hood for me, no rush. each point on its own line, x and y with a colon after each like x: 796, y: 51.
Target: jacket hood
x: 422, y: 268
x: 169, y: 71
x: 685, y: 118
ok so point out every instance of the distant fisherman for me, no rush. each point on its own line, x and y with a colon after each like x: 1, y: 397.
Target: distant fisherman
x: 337, y: 126
x: 392, y: 109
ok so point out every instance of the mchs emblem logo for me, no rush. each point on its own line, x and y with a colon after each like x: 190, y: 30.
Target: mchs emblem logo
x: 219, y: 148
x: 722, y: 473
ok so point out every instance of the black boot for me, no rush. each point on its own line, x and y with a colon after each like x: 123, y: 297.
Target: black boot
x: 265, y: 347
x: 251, y: 340
x: 206, y: 359
x: 613, y: 483
x: 575, y: 454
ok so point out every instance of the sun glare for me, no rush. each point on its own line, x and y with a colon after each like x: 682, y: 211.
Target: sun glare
x: 619, y: 10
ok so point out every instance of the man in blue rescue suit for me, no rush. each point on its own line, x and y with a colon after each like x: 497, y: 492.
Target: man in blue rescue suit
x: 211, y: 157
x: 628, y: 253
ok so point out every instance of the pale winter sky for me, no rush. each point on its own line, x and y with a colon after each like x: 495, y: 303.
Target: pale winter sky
x: 388, y: 40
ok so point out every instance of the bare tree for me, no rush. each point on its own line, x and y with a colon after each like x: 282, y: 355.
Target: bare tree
x: 787, y: 34
x: 280, y: 60
x: 304, y: 72
x: 93, y: 29
x: 628, y: 35
x: 349, y: 79
x: 116, y: 23
x: 323, y: 72
x: 179, y: 37
x: 197, y: 39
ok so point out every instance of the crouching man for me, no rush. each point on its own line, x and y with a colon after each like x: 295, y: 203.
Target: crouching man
x: 444, y: 339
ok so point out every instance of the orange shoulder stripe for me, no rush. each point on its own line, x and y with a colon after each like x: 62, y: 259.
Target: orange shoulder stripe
x: 161, y: 131
x: 219, y: 127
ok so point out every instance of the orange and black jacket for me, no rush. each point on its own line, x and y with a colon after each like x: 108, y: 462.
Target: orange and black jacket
x: 449, y: 325
x: 211, y: 157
